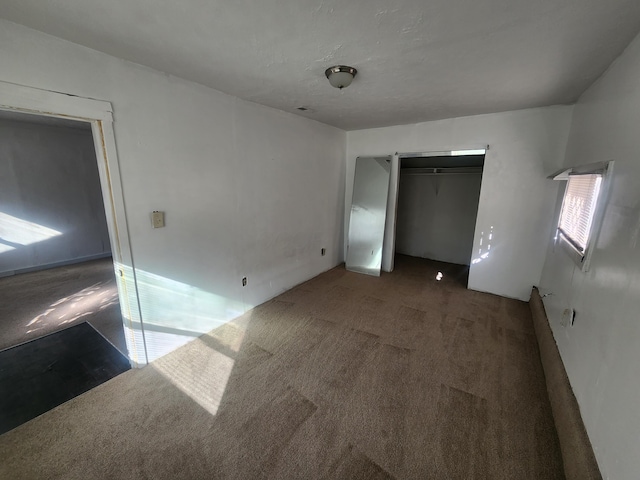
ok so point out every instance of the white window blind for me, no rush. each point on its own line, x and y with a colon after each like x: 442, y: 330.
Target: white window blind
x: 578, y: 209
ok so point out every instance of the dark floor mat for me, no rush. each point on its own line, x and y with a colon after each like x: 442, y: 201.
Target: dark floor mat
x: 40, y: 375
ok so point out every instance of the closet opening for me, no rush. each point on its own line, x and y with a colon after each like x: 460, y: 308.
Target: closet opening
x: 437, y: 206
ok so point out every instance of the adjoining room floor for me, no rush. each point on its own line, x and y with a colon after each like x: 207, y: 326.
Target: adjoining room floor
x: 38, y: 303
x: 345, y: 376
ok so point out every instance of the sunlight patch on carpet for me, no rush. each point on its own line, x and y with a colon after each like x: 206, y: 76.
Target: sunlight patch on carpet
x: 199, y: 371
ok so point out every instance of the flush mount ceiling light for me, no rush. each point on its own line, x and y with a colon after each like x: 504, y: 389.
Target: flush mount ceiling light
x: 340, y: 76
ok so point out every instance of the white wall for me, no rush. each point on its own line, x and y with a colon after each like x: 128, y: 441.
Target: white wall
x: 601, y: 352
x: 247, y: 190
x: 515, y: 198
x: 51, y: 207
x: 437, y: 216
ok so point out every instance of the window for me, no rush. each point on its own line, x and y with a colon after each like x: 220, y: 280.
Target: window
x: 581, y: 211
x: 578, y: 209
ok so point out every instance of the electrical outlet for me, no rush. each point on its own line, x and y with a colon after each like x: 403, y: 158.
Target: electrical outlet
x: 244, y: 281
x: 567, y: 317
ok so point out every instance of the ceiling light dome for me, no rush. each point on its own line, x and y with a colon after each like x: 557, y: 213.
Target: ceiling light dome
x: 340, y: 76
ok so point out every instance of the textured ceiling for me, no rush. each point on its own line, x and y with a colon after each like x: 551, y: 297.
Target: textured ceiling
x: 417, y: 59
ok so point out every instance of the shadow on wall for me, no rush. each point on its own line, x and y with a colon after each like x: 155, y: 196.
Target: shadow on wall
x: 173, y: 313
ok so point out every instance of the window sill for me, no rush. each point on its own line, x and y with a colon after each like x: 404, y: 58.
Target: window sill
x: 576, y: 255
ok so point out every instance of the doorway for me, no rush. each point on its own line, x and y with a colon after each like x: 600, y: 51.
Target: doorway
x: 98, y: 114
x: 54, y: 240
x: 75, y: 348
x: 436, y: 206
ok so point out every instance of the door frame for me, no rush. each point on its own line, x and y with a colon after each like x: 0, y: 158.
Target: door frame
x: 389, y: 249
x: 99, y: 114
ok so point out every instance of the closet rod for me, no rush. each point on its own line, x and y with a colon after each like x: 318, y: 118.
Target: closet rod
x: 412, y: 174
x: 441, y: 171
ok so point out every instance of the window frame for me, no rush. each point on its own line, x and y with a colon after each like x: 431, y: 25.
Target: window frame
x: 583, y: 258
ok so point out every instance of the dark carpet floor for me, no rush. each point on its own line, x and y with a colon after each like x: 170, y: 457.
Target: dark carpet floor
x: 343, y: 377
x: 44, y: 373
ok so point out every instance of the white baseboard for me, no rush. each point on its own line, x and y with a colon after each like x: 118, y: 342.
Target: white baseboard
x: 47, y: 266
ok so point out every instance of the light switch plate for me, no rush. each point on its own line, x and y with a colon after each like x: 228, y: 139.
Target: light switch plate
x: 157, y: 219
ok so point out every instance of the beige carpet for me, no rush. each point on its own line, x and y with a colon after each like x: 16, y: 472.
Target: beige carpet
x: 38, y: 303
x: 344, y: 377
x: 577, y: 453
